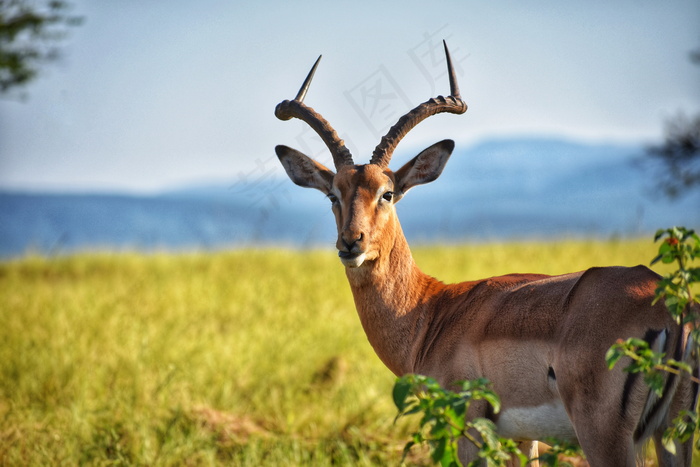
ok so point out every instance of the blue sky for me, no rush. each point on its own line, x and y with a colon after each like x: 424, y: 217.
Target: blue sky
x: 152, y: 95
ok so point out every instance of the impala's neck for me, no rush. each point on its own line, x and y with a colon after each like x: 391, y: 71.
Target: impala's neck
x: 389, y: 294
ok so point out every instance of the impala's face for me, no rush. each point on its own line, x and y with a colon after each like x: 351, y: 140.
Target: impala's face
x: 362, y: 198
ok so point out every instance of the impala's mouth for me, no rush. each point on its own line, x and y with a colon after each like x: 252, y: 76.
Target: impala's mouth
x: 351, y: 260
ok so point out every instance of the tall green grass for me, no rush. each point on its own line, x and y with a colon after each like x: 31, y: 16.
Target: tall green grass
x: 244, y: 358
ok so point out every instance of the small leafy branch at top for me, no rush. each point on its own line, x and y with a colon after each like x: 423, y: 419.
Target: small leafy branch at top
x: 682, y: 246
x: 444, y: 420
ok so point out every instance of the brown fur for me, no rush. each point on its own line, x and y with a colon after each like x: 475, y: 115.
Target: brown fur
x: 540, y: 339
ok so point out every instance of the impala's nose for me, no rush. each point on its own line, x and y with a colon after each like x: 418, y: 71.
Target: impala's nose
x: 350, y: 249
x: 353, y: 243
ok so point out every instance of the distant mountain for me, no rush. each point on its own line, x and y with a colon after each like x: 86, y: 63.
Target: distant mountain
x: 505, y: 189
x: 541, y: 188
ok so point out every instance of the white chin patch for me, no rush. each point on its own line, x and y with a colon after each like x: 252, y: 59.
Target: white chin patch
x: 354, y: 262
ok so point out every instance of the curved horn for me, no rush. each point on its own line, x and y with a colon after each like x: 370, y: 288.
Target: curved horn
x: 296, y: 108
x: 452, y: 104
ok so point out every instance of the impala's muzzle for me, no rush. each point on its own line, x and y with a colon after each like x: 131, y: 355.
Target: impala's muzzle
x: 351, y: 260
x: 351, y: 253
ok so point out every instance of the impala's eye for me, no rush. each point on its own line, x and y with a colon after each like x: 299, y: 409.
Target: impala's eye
x: 388, y: 196
x: 333, y: 198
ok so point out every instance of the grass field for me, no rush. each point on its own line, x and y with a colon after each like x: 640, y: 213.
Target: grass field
x: 238, y: 358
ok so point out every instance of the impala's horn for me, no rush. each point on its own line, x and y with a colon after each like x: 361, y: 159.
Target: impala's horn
x: 307, y: 82
x: 452, y: 104
x: 296, y: 108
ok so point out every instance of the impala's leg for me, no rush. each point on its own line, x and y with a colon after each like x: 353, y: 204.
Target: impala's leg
x: 606, y: 447
x: 600, y: 451
x: 467, y: 451
x: 533, y: 453
x: 529, y: 448
x: 684, y: 399
x: 664, y: 458
x: 604, y: 434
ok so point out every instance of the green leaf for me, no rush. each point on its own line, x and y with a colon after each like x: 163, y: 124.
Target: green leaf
x: 683, y: 366
x: 668, y: 259
x: 613, y: 355
x: 669, y: 444
x: 655, y: 380
x: 413, y: 409
x: 694, y: 274
x: 440, y: 429
x: 494, y: 400
x: 439, y: 446
x: 486, y: 429
x: 407, y: 450
x: 402, y: 389
x: 659, y: 233
x: 664, y: 248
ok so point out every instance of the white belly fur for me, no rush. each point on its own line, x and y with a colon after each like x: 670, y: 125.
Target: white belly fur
x: 536, y: 423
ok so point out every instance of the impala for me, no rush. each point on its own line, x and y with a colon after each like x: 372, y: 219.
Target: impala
x: 540, y: 340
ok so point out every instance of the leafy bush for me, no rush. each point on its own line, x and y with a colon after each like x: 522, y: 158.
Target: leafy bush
x: 444, y: 419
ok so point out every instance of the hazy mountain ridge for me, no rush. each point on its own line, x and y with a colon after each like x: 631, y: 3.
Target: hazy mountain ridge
x: 539, y: 188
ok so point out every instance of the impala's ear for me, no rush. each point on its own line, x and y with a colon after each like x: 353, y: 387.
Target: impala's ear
x: 424, y: 168
x: 305, y: 171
